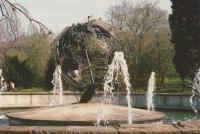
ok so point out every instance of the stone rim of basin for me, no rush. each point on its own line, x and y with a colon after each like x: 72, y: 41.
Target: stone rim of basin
x: 80, y: 113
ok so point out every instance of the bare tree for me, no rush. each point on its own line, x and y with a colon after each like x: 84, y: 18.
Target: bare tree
x: 12, y: 17
x: 143, y: 19
x: 143, y: 35
x: 140, y: 17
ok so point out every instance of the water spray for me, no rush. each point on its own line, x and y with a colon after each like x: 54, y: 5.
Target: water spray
x: 57, y: 83
x: 195, y: 99
x: 117, y: 66
x: 150, y: 92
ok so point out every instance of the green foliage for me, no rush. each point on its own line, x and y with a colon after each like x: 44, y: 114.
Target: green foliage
x: 26, y: 63
x: 30, y: 89
x: 155, y: 55
x: 49, y: 73
x: 185, y: 26
x: 38, y: 52
x: 18, y: 72
x: 144, y: 39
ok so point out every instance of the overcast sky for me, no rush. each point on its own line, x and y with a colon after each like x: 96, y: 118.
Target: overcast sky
x: 56, y: 14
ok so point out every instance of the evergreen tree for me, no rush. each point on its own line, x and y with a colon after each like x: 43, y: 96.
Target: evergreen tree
x: 49, y: 73
x: 18, y: 72
x: 185, y: 26
x: 26, y: 64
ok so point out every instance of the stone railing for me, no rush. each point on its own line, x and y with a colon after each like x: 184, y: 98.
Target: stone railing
x: 162, y: 101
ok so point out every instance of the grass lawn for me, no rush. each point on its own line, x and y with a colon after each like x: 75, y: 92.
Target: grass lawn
x: 34, y: 89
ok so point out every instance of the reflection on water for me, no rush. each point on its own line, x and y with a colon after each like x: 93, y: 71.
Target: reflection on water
x: 4, y: 121
x: 175, y: 116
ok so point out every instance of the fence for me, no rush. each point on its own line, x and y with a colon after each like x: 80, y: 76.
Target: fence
x: 176, y: 87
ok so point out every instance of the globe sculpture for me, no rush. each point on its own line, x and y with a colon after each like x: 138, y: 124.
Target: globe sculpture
x: 82, y: 50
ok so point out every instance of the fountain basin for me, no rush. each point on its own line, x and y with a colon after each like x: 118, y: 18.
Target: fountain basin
x: 82, y: 115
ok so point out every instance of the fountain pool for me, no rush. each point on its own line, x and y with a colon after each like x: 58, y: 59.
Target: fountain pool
x: 81, y: 115
x: 171, y: 116
x: 84, y: 115
x: 88, y: 114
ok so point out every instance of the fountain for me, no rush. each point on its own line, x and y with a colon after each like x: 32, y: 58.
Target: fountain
x: 3, y: 85
x: 194, y: 99
x: 57, y: 86
x: 117, y: 66
x: 150, y: 92
x: 85, y: 114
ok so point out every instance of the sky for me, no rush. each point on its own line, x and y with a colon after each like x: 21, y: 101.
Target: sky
x: 57, y: 14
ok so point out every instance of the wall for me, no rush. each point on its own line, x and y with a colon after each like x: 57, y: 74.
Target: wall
x: 163, y: 101
x: 14, y: 100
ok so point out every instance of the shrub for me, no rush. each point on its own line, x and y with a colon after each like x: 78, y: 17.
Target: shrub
x: 18, y: 72
x: 26, y: 63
